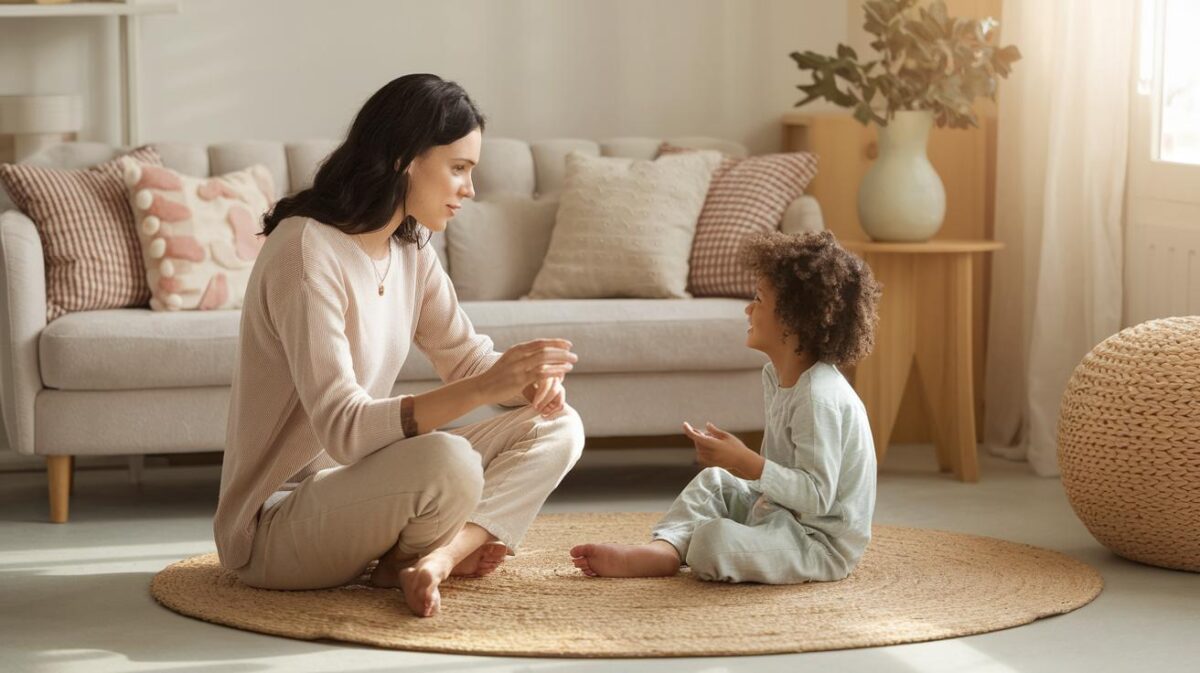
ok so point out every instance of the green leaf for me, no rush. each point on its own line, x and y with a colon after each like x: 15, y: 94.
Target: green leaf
x: 809, y: 60
x: 923, y: 59
x: 862, y: 113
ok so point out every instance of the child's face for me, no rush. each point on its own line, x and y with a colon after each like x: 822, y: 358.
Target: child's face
x: 765, y: 333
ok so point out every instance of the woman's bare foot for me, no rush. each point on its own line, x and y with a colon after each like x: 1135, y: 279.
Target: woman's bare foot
x: 656, y: 559
x: 473, y: 552
x: 482, y: 561
x: 421, y: 580
x: 387, y: 573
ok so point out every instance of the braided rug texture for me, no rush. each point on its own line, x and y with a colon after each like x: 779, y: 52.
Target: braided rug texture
x: 1129, y: 442
x: 912, y: 585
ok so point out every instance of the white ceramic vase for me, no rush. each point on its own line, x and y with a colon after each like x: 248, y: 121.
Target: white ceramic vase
x: 901, y: 198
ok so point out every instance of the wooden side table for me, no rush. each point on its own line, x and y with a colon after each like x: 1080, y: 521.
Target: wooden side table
x: 924, y: 329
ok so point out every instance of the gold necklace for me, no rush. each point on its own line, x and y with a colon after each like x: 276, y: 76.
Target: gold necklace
x: 374, y: 268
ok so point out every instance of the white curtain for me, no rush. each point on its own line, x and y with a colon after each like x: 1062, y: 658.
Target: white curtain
x: 1063, y: 137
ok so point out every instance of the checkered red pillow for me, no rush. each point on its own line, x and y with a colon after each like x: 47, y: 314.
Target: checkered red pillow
x: 93, y: 258
x: 746, y: 197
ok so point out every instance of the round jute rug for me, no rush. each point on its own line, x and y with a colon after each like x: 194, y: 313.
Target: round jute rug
x: 912, y: 585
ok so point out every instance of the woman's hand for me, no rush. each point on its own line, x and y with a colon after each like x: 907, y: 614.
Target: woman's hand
x: 547, y: 396
x: 717, y: 448
x: 524, y: 365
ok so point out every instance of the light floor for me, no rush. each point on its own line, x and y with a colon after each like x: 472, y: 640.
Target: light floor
x: 74, y: 597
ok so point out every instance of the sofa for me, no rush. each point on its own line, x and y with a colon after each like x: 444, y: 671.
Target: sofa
x: 136, y: 381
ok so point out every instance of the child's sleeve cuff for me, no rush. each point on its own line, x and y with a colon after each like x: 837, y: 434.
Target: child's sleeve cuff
x: 773, y: 482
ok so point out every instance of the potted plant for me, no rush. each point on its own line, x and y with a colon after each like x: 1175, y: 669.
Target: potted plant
x: 929, y: 69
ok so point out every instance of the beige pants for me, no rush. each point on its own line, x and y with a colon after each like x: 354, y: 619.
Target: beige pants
x: 414, y: 495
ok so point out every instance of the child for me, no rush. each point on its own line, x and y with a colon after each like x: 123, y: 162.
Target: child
x: 800, y: 511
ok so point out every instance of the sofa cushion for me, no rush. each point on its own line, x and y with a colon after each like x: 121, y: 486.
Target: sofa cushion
x: 747, y: 197
x: 625, y: 227
x: 549, y: 157
x: 303, y: 160
x: 550, y: 161
x: 617, y: 336
x: 496, y: 245
x: 93, y: 259
x: 128, y: 349
x: 505, y: 167
x: 187, y: 158
x: 234, y: 156
x: 199, y: 236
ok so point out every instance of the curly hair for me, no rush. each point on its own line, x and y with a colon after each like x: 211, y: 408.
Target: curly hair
x: 825, y: 295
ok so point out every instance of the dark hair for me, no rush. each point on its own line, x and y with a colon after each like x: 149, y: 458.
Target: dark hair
x: 824, y: 294
x: 359, y: 187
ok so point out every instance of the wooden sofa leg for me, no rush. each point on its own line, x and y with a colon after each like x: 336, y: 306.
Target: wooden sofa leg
x: 58, y: 471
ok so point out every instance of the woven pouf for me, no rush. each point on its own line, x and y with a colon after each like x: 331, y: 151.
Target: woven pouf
x: 1129, y: 442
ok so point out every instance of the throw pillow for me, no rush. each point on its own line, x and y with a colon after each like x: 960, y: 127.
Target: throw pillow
x: 93, y: 259
x: 747, y: 197
x: 625, y: 226
x: 199, y: 236
x: 497, y: 245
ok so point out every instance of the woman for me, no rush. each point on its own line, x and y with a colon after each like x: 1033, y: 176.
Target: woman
x: 325, y: 471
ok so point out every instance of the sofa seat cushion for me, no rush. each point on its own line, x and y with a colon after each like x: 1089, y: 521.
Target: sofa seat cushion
x: 129, y: 349
x: 617, y: 336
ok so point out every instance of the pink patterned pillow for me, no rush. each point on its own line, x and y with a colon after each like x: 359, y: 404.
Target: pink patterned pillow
x: 93, y: 259
x: 199, y: 236
x: 746, y: 197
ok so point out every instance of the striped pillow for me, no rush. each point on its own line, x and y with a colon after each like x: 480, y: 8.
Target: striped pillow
x: 93, y: 258
x: 746, y: 197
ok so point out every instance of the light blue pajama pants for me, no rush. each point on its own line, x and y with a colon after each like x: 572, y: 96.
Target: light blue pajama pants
x: 726, y: 533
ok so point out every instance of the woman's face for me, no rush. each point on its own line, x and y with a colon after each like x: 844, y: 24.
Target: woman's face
x: 440, y: 178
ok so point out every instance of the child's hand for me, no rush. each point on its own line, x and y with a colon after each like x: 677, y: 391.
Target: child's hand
x: 717, y: 448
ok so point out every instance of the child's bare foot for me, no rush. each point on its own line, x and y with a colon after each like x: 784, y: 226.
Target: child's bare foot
x: 420, y: 583
x: 656, y: 559
x: 482, y: 561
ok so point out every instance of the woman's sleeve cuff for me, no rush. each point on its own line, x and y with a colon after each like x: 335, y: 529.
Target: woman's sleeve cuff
x: 408, y: 418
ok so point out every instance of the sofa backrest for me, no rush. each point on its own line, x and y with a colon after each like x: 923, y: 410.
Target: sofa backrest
x: 508, y: 168
x: 507, y: 165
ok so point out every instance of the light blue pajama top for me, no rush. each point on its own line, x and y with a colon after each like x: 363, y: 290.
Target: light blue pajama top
x: 820, y: 458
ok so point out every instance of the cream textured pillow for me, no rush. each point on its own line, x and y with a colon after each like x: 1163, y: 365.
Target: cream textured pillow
x: 497, y: 245
x: 199, y: 236
x: 625, y: 226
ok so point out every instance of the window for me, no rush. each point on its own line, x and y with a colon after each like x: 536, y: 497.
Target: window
x: 1170, y: 47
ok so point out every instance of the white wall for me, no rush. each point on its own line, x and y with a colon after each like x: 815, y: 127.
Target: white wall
x: 291, y: 69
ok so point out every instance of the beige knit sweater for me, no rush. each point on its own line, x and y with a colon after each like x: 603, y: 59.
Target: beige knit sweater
x: 318, y: 355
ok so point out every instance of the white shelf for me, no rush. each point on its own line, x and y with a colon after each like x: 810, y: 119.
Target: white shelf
x: 128, y: 14
x: 30, y: 10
